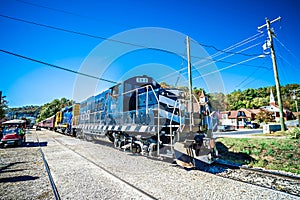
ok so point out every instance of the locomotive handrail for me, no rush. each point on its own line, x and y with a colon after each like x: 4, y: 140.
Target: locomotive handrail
x: 171, y: 137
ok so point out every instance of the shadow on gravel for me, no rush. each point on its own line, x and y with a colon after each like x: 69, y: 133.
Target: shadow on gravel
x: 35, y: 144
x: 17, y: 179
x: 4, y: 168
x: 227, y: 160
x: 11, y: 170
x: 235, y: 158
x: 28, y: 144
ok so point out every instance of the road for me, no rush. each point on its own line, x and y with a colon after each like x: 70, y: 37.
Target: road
x: 239, y: 133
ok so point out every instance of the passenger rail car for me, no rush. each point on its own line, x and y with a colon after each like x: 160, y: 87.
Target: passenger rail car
x: 48, y: 123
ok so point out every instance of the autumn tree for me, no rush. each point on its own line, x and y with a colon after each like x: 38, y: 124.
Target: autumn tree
x: 264, y: 116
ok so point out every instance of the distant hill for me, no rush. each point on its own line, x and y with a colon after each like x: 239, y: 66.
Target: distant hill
x: 253, y: 98
x: 23, y: 112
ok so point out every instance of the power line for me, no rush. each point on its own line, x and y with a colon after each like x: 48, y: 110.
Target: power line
x: 224, y: 51
x: 288, y: 50
x: 219, y: 60
x: 243, y: 42
x: 230, y: 66
x: 117, y: 41
x: 58, y: 67
x: 254, y: 72
x: 239, y: 44
x: 95, y: 36
x: 69, y: 31
x: 69, y: 13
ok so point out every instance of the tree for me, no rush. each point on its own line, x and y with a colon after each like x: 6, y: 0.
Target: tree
x: 264, y: 116
x: 50, y: 109
x: 218, y: 101
x: 258, y: 102
x: 164, y: 85
x: 3, y: 107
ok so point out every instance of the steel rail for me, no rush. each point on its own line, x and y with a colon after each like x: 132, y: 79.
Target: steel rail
x: 108, y: 172
x: 53, y: 186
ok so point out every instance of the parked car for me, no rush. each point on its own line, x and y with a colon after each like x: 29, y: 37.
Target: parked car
x: 223, y: 128
x: 253, y: 125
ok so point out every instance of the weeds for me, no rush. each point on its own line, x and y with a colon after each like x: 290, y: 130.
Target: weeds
x: 270, y: 153
x: 295, y: 134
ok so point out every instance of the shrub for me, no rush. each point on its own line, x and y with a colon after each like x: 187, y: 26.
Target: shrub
x: 295, y: 134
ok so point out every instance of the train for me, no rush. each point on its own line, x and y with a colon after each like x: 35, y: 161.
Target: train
x: 141, y: 116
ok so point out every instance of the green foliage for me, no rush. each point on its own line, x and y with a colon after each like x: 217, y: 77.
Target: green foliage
x: 3, y: 107
x: 295, y: 134
x: 270, y: 153
x: 256, y: 98
x: 264, y: 116
x: 249, y: 98
x: 218, y: 101
x: 50, y: 109
x: 246, y: 151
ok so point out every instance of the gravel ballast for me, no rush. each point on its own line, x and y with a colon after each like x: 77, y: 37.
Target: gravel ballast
x: 78, y: 178
x: 22, y: 173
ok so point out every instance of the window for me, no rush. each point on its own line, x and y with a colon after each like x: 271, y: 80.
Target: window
x: 241, y: 113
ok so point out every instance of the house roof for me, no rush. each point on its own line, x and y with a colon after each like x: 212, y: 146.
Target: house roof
x: 273, y: 108
x: 249, y: 112
x: 234, y: 113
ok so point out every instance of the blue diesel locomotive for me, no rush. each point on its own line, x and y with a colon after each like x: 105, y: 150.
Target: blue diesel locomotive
x: 140, y: 116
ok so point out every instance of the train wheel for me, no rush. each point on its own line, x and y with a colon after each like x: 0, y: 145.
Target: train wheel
x: 116, y: 143
x: 138, y: 148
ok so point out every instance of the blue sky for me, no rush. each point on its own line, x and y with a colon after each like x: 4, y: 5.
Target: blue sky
x: 211, y: 25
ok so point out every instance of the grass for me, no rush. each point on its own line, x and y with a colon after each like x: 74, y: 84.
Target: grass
x: 269, y: 153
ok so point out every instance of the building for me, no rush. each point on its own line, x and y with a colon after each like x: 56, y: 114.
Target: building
x: 240, y: 118
x: 287, y: 114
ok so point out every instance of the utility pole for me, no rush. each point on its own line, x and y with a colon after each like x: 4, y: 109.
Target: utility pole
x: 271, y: 46
x: 190, y: 81
x: 295, y: 98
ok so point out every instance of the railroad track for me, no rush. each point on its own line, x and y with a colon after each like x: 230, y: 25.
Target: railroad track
x: 99, y: 166
x: 50, y: 177
x: 269, y: 179
x: 272, y: 180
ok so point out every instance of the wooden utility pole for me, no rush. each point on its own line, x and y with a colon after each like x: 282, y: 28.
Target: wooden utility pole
x: 271, y: 46
x: 190, y: 81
